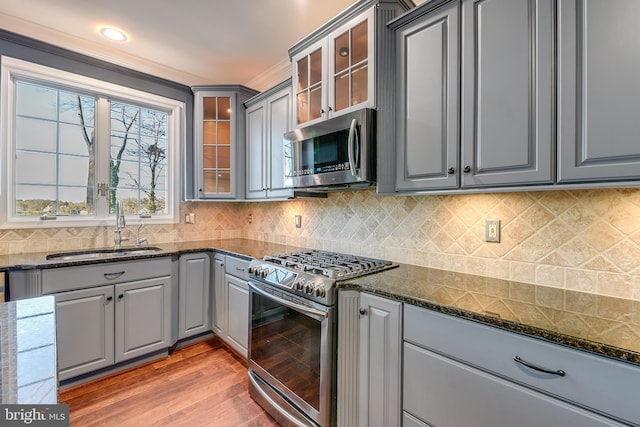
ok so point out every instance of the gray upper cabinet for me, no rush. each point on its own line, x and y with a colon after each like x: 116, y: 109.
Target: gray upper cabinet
x: 507, y: 92
x: 219, y: 142
x: 268, y: 119
x: 428, y: 101
x: 497, y: 130
x: 598, y: 90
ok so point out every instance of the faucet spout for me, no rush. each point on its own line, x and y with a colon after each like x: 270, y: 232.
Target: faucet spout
x: 118, y: 238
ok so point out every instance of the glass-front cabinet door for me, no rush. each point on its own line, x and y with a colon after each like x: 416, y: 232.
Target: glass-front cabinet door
x: 219, y: 146
x: 310, y: 77
x: 334, y: 75
x: 216, y: 144
x: 350, y: 71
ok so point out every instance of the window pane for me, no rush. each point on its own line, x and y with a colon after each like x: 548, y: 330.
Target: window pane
x: 341, y: 55
x: 35, y: 168
x: 80, y: 168
x: 315, y: 67
x: 210, y: 108
x: 224, y: 108
x: 36, y: 101
x: 72, y: 140
x: 359, y: 43
x: 360, y: 85
x: 75, y: 201
x: 342, y: 91
x: 35, y: 200
x: 138, y: 158
x: 35, y: 134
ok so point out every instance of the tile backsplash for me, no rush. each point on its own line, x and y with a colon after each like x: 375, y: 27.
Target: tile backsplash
x: 576, y: 240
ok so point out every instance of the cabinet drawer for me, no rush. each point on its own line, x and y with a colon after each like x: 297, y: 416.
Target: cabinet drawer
x: 69, y: 278
x: 596, y: 382
x: 237, y: 267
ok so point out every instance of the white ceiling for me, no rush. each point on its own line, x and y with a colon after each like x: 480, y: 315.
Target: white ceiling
x: 188, y: 41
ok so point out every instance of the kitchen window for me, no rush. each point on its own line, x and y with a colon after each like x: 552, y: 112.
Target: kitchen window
x: 73, y: 145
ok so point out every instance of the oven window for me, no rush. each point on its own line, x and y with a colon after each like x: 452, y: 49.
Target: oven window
x: 286, y: 344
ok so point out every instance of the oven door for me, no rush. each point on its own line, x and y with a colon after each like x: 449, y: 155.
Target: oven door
x: 291, y: 356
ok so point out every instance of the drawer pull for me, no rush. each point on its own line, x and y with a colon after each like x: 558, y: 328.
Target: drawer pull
x: 113, y: 276
x: 239, y: 269
x: 530, y: 365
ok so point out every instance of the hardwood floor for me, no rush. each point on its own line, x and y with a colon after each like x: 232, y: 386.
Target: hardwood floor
x: 203, y: 384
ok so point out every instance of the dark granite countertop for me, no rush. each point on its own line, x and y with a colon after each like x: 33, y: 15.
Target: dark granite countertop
x: 28, y: 372
x: 603, y: 325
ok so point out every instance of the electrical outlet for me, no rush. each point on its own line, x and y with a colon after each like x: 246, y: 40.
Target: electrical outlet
x: 492, y: 230
x: 250, y: 218
x: 190, y: 218
x: 298, y: 220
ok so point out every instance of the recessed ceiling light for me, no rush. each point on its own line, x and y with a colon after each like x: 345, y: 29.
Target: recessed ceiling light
x: 113, y: 34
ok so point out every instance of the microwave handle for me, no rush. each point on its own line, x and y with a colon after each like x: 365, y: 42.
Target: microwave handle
x: 353, y: 135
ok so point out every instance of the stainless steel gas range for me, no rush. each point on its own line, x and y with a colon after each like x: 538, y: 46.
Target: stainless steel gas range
x: 292, y: 338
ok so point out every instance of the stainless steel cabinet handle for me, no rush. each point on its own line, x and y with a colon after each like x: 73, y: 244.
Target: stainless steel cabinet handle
x: 113, y: 276
x: 530, y: 365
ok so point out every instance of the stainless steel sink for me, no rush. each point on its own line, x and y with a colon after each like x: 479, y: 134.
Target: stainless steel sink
x: 102, y: 253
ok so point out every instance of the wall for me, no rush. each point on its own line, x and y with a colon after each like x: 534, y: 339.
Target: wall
x: 580, y: 240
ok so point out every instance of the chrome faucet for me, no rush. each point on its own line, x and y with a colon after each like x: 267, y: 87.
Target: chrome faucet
x: 139, y: 239
x: 118, y: 238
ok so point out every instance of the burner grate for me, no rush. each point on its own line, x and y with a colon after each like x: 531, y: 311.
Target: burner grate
x: 333, y: 265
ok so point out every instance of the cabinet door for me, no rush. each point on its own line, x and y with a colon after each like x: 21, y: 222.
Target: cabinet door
x: 238, y: 314
x: 194, y: 295
x: 352, y: 65
x: 256, y: 156
x: 309, y: 83
x: 445, y: 393
x: 84, y: 328
x: 427, y: 113
x: 142, y: 317
x: 219, y: 297
x: 215, y: 144
x: 279, y: 122
x: 507, y: 92
x: 598, y: 91
x: 380, y: 350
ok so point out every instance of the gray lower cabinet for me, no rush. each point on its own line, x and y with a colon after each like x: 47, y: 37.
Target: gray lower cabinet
x: 238, y: 313
x: 598, y: 91
x: 109, y: 313
x: 230, y: 316
x: 85, y: 330
x: 219, y: 297
x: 380, y: 350
x: 143, y: 317
x: 368, y: 360
x: 194, y: 299
x: 268, y: 119
x: 458, y: 372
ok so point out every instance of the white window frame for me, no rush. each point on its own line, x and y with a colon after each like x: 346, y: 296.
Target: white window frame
x: 12, y: 69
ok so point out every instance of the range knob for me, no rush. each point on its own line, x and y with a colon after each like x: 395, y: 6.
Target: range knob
x: 300, y: 284
x: 253, y: 269
x: 321, y: 291
x: 309, y: 287
x: 264, y: 272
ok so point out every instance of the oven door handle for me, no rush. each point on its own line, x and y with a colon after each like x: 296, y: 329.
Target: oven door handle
x: 353, y: 136
x: 301, y: 308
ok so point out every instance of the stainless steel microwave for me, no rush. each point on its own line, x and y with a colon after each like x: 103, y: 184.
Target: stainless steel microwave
x: 336, y: 154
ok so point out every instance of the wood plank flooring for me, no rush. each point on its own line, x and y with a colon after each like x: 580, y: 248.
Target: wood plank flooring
x: 203, y: 384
